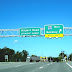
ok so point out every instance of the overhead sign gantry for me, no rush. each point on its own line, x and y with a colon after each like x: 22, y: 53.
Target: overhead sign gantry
x: 35, y: 32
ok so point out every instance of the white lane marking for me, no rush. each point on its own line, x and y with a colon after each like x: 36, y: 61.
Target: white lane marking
x: 41, y: 67
x: 31, y: 63
x: 47, y: 64
x: 51, y: 63
x: 69, y: 65
x: 17, y: 65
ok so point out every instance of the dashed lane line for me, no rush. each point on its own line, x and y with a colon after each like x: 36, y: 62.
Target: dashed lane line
x: 17, y: 65
x: 47, y: 64
x: 51, y: 63
x: 31, y: 63
x: 21, y: 65
x: 44, y: 66
x: 41, y: 67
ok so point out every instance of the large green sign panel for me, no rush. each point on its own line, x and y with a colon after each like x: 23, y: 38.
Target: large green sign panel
x: 53, y: 30
x: 29, y: 31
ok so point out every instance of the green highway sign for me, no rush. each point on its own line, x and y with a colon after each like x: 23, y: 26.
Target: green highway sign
x: 30, y: 31
x: 53, y: 30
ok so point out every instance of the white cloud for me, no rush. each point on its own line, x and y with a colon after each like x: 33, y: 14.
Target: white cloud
x: 15, y: 41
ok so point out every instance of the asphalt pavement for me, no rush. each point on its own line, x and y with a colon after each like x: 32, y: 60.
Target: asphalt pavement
x: 36, y: 67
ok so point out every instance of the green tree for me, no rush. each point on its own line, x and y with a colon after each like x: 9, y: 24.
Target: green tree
x: 70, y: 56
x: 59, y: 58
x: 33, y: 55
x: 50, y: 58
x: 12, y: 56
x: 17, y: 56
x: 24, y: 55
x: 62, y: 55
x: 6, y: 51
x: 55, y: 59
x: 2, y: 55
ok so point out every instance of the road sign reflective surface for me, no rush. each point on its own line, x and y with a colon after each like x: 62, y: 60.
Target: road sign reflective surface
x: 53, y: 30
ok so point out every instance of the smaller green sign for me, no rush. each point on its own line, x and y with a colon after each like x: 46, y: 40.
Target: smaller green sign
x: 29, y: 31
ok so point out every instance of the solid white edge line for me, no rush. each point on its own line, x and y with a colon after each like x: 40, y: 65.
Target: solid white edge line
x: 69, y: 65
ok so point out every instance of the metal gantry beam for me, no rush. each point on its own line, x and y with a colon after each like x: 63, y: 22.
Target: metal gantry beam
x: 15, y: 32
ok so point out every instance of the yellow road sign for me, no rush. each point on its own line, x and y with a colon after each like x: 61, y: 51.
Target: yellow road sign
x: 53, y: 35
x: 43, y: 57
x: 65, y: 57
x: 40, y: 57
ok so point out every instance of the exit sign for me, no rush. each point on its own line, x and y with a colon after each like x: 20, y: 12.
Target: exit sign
x: 53, y: 30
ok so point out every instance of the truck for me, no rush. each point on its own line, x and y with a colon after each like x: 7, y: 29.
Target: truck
x: 34, y: 58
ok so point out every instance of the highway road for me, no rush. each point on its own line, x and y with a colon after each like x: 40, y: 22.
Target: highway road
x: 36, y: 67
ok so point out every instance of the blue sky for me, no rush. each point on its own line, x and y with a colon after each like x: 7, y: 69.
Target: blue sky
x: 15, y: 14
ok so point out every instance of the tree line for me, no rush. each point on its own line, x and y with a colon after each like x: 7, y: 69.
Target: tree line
x: 12, y: 55
x: 21, y: 56
x: 60, y: 57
